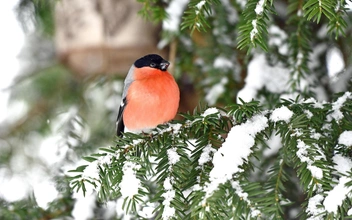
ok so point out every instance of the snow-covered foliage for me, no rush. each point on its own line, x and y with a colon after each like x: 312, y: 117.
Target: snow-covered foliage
x: 284, y: 150
x: 209, y: 158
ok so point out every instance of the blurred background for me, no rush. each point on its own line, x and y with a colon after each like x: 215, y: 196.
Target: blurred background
x: 63, y: 65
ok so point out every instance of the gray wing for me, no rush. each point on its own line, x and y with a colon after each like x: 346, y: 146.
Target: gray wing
x: 120, y: 126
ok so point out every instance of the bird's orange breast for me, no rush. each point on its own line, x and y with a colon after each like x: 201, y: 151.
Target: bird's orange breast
x: 152, y: 99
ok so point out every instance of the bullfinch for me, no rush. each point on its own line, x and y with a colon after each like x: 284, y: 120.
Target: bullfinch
x: 150, y: 96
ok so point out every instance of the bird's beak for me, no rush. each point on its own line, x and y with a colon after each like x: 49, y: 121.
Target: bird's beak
x: 164, y: 65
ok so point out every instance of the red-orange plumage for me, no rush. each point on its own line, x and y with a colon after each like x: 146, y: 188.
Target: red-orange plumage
x: 152, y: 99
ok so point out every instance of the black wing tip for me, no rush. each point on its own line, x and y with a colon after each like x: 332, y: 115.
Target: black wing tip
x: 120, y: 128
x: 120, y: 125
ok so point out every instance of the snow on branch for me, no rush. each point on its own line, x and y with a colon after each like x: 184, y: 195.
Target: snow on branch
x: 175, y: 12
x: 188, y: 181
x: 254, y: 29
x: 130, y: 183
x: 169, y: 194
x: 337, y: 195
x: 194, y: 18
x: 336, y: 106
x: 234, y: 152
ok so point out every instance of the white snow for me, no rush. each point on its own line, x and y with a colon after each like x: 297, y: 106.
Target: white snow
x: 167, y: 183
x: 315, y: 135
x: 296, y: 132
x: 84, y: 207
x: 343, y: 164
x: 130, y: 183
x: 274, y: 143
x: 199, y: 7
x: 258, y: 10
x: 239, y: 191
x: 168, y: 212
x: 210, y: 111
x: 316, y: 172
x: 254, y: 31
x: 232, y: 14
x: 16, y: 109
x: 175, y: 128
x: 200, y: 4
x: 299, y: 13
x: 278, y: 38
x: 221, y: 62
x: 299, y: 58
x: 227, y: 160
x: 216, y: 91
x: 336, y: 196
x: 168, y: 195
x: 255, y: 213
x: 58, y: 145
x: 302, y: 154
x: 11, y: 43
x: 244, y: 196
x: 173, y: 156
x: 205, y: 157
x: 346, y: 138
x: 147, y: 211
x: 335, y: 63
x: 174, y: 11
x: 260, y: 7
x: 45, y: 192
x: 281, y: 114
x: 337, y: 114
x: 91, y: 171
x: 315, y: 103
x: 105, y: 159
x: 13, y: 187
x: 348, y: 5
x: 241, y: 3
x: 234, y: 151
x: 313, y: 208
x: 308, y: 113
x: 120, y: 212
x: 327, y: 126
x: 261, y: 74
x: 110, y: 209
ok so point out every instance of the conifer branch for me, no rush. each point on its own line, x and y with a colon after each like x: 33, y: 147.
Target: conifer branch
x: 195, y: 17
x: 187, y: 159
x: 253, y: 30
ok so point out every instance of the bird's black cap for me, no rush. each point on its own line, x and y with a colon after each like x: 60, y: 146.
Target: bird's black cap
x: 153, y: 61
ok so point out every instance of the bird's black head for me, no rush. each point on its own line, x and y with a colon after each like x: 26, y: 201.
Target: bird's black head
x: 153, y: 61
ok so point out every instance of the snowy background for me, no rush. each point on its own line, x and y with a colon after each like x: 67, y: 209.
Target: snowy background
x: 19, y: 184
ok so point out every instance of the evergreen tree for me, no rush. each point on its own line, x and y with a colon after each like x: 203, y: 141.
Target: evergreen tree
x: 276, y: 146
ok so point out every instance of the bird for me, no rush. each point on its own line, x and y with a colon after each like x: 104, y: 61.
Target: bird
x: 150, y: 96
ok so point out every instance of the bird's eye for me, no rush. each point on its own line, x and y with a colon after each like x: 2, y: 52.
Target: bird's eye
x: 153, y: 65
